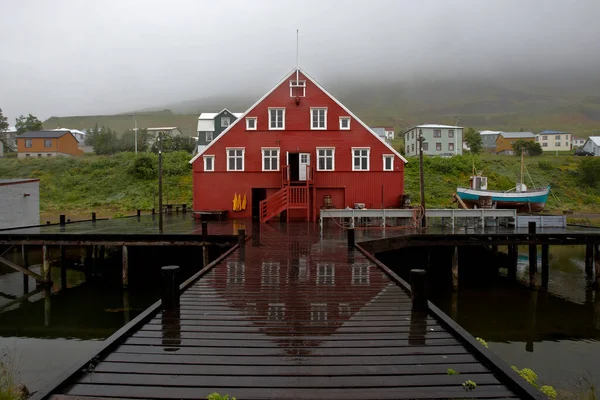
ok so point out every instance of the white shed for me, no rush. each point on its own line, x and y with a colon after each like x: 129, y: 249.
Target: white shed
x: 593, y: 145
x: 20, y: 199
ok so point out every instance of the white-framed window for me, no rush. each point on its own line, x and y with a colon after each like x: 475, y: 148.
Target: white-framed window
x: 325, y: 159
x: 557, y: 137
x: 318, y: 313
x: 360, y: 274
x: 318, y: 118
x: 360, y: 159
x: 28, y: 143
x: 235, y: 273
x: 225, y: 121
x: 438, y: 146
x: 276, y: 311
x: 388, y: 162
x: 209, y: 163
x: 270, y: 159
x: 269, y: 274
x: 544, y: 144
x: 235, y: 159
x: 297, y: 88
x: 450, y: 146
x: 557, y: 144
x: 437, y: 133
x: 425, y: 146
x: 276, y: 119
x: 47, y: 143
x: 209, y: 136
x: 250, y: 123
x: 325, y: 274
x: 450, y: 133
x: 412, y: 147
x: 344, y: 123
x: 544, y: 137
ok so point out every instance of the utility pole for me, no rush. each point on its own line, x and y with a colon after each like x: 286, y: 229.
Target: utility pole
x: 135, y: 130
x: 160, y: 172
x: 422, y: 177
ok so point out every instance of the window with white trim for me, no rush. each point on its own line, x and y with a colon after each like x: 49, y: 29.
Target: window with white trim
x: 235, y: 159
x: 251, y: 123
x: 209, y: 163
x: 360, y: 159
x: 318, y: 118
x: 28, y: 143
x: 297, y: 88
x: 425, y: 146
x: 269, y: 273
x: 438, y: 147
x: 450, y: 133
x: 325, y: 274
x: 388, y: 162
x: 276, y: 311
x: 318, y: 313
x: 325, y: 159
x: 276, y: 118
x: 225, y: 121
x: 450, y: 146
x: 437, y: 133
x: 344, y: 123
x: 360, y: 274
x: 270, y: 159
x: 209, y: 136
x: 235, y: 272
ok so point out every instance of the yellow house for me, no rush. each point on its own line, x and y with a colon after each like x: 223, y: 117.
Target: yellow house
x: 554, y: 141
x: 505, y: 140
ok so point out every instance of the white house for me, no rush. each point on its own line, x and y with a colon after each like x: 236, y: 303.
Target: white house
x: 440, y: 140
x: 593, y: 145
x: 554, y: 140
x: 577, y: 142
x: 167, y: 130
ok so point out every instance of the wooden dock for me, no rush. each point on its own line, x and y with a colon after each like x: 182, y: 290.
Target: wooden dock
x: 291, y: 315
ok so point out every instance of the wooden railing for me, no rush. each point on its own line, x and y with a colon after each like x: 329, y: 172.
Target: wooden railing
x: 298, y: 196
x: 286, y: 175
x: 273, y: 205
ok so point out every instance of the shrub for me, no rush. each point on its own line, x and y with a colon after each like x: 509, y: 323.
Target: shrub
x: 589, y: 171
x: 143, y: 167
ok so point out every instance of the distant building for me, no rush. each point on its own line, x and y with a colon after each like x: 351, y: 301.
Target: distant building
x: 20, y: 199
x: 577, y: 142
x: 166, y: 130
x: 488, y: 140
x: 505, y: 140
x: 47, y: 144
x: 1, y: 149
x: 11, y: 138
x: 554, y: 140
x: 384, y: 132
x: 210, y: 125
x: 593, y: 145
x: 79, y: 136
x: 439, y: 140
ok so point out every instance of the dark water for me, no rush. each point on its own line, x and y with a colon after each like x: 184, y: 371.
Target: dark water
x: 556, y: 332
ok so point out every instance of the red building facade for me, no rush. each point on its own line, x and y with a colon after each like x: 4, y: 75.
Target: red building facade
x: 298, y: 150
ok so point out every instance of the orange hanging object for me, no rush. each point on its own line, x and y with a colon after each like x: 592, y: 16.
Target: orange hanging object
x: 244, y: 202
x: 235, y: 202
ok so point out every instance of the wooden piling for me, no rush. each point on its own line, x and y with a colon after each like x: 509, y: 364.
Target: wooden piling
x: 205, y: 256
x: 63, y: 267
x: 184, y: 208
x: 597, y: 268
x: 46, y: 265
x: 589, y: 260
x: 94, y: 217
x: 242, y: 238
x: 418, y: 289
x: 125, y: 267
x: 204, y: 229
x: 47, y: 305
x: 531, y: 334
x: 455, y: 269
x: 25, y: 262
x: 351, y: 238
x: 126, y: 307
x: 513, y: 257
x: 170, y: 294
x: 139, y: 214
x: 532, y: 256
x: 63, y: 219
x: 87, y: 265
x: 545, y: 265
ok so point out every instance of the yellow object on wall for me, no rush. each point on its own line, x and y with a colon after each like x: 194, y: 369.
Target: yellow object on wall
x: 244, y: 202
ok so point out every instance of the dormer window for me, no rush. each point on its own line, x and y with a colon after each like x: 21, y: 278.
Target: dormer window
x: 297, y: 88
x: 251, y: 123
x: 344, y: 123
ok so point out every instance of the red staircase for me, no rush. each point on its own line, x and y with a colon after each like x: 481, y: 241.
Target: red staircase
x: 288, y: 197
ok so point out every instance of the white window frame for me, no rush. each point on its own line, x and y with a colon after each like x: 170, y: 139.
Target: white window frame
x: 243, y: 149
x: 263, y: 149
x: 344, y: 119
x: 271, y: 128
x: 368, y: 149
x: 269, y: 275
x: 451, y: 131
x: 360, y: 274
x: 438, y: 146
x: 211, y: 156
x: 297, y: 84
x: 225, y: 119
x: 236, y: 274
x: 28, y: 143
x: 207, y: 134
x: 325, y: 274
x: 325, y: 156
x: 450, y: 146
x: 318, y: 128
x: 391, y: 156
x: 248, y: 127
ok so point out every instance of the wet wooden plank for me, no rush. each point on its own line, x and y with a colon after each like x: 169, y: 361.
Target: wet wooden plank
x: 194, y: 319
x: 154, y: 392
x: 159, y: 333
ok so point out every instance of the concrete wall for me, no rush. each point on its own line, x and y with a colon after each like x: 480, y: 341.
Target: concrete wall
x: 20, y: 204
x: 42, y: 154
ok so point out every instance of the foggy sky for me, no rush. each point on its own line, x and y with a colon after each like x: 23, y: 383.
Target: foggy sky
x: 74, y: 57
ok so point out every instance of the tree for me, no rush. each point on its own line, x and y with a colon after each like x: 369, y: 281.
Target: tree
x: 175, y: 143
x: 528, y: 148
x: 473, y: 140
x: 3, y: 128
x: 28, y: 124
x: 103, y: 140
x: 589, y: 170
x: 127, y: 142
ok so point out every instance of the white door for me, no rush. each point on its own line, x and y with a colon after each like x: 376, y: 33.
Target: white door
x: 304, y: 162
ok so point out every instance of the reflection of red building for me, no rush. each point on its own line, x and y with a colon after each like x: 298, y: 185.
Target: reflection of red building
x: 297, y: 286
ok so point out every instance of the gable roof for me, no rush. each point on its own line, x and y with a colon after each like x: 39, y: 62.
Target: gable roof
x: 70, y: 130
x: 212, y: 115
x: 553, y: 133
x: 483, y: 133
x: 379, y: 130
x: 517, y: 135
x: 286, y: 77
x: 438, y: 126
x: 595, y: 140
x: 44, y: 135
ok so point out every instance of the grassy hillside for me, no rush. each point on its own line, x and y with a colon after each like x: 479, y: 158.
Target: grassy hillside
x: 114, y: 185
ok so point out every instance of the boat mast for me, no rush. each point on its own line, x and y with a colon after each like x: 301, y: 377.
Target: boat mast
x: 522, y: 171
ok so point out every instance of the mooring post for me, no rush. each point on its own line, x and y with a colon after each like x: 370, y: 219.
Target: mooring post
x: 63, y: 267
x: 94, y: 217
x: 184, y: 208
x: 46, y: 265
x: 418, y: 289
x: 589, y: 260
x: 513, y: 257
x: 242, y: 238
x: 126, y: 307
x: 532, y: 255
x: 153, y: 211
x: 139, y: 214
x: 455, y: 269
x: 170, y: 294
x: 47, y: 306
x: 125, y: 267
x: 205, y: 256
x: 545, y: 265
x: 351, y: 238
x: 63, y: 220
x: 255, y: 234
x: 88, y: 263
x: 204, y: 229
x: 532, y: 321
x: 25, y: 260
x: 597, y: 268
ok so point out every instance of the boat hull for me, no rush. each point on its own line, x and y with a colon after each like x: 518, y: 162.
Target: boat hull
x: 530, y: 201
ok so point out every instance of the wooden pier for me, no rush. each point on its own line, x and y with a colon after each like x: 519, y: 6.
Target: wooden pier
x: 291, y: 314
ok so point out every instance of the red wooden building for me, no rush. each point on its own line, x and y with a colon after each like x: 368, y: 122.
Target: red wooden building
x: 297, y: 149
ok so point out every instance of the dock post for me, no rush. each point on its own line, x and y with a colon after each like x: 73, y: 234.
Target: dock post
x: 455, y: 269
x: 532, y: 256
x: 351, y: 238
x: 204, y: 229
x: 418, y: 289
x: 205, y: 256
x: 47, y: 305
x: 46, y: 265
x: 125, y: 267
x: 184, y: 208
x: 513, y: 257
x: 597, y: 268
x: 94, y: 217
x: 545, y: 265
x: 25, y: 260
x: 63, y: 267
x: 88, y: 263
x: 242, y: 238
x: 589, y: 259
x: 255, y: 234
x: 62, y: 220
x: 139, y: 214
x: 170, y: 294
